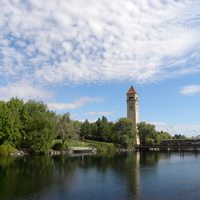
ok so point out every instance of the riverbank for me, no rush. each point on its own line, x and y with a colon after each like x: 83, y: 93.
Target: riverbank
x: 22, y: 152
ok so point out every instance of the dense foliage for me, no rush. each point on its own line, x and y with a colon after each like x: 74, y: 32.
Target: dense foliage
x: 179, y: 136
x: 27, y: 125
x: 67, y: 129
x: 33, y: 126
x: 125, y: 132
x: 148, y: 134
x: 122, y: 133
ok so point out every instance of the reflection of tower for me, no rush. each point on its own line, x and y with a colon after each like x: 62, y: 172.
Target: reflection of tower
x: 137, y: 170
x: 132, y: 108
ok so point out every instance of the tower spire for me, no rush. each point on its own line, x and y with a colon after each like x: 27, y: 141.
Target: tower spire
x: 132, y: 90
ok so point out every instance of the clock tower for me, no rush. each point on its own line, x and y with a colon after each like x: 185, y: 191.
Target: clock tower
x: 132, y: 108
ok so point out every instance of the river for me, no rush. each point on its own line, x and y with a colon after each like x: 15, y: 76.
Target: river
x: 112, y: 176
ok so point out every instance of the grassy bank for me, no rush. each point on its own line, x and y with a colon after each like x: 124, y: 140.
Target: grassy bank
x: 101, y: 146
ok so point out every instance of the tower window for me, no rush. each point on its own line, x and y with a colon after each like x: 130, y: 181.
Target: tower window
x: 131, y: 98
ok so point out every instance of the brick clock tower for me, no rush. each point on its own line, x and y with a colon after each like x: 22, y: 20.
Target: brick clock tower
x: 132, y: 108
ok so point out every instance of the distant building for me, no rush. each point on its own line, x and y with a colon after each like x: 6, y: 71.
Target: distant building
x: 132, y: 107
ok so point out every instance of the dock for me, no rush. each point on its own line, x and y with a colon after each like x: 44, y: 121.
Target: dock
x: 82, y: 149
x: 168, y: 147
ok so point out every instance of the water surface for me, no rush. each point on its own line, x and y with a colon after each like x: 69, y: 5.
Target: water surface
x: 129, y: 175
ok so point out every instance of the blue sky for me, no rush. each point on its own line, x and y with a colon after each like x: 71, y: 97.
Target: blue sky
x: 82, y: 56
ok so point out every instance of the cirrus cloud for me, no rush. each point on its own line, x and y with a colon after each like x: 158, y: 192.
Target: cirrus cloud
x: 190, y: 90
x: 78, y: 103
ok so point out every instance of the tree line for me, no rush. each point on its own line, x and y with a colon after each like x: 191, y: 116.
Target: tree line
x: 33, y: 126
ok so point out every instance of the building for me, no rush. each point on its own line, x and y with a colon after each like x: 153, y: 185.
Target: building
x: 132, y: 107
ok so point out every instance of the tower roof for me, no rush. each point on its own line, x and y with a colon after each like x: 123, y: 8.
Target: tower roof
x: 131, y: 91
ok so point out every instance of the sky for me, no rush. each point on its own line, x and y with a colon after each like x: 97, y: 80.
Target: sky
x: 82, y: 56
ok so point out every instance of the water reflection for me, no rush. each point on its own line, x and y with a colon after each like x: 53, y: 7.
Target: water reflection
x: 129, y: 175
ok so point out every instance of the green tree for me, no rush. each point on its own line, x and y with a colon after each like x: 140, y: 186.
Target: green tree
x: 8, y: 133
x: 112, y: 129
x: 66, y: 128
x: 163, y: 136
x: 86, y: 130
x: 40, y: 127
x: 104, y: 119
x: 179, y: 136
x: 16, y: 107
x: 103, y: 131
x: 125, y: 133
x: 98, y: 122
x: 147, y: 133
x: 94, y: 130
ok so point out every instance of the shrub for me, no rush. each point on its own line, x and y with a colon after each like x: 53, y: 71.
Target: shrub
x: 111, y: 148
x: 59, y: 146
x: 105, y: 147
x: 6, y: 149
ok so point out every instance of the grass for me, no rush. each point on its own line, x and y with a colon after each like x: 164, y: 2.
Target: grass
x: 86, y: 143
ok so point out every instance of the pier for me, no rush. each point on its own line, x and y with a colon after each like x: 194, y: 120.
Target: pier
x: 82, y: 149
x: 168, y: 147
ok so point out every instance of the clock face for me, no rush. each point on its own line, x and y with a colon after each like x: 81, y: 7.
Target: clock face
x: 131, y: 107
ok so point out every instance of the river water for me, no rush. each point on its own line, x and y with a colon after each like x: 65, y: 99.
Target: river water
x: 112, y: 176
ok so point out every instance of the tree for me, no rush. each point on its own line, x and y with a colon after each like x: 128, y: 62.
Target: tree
x: 86, y: 130
x: 163, y: 136
x: 147, y: 133
x: 16, y: 107
x: 66, y: 128
x: 7, y: 133
x: 125, y: 133
x: 104, y: 119
x: 94, y: 130
x: 104, y: 131
x: 40, y: 126
x: 179, y: 136
x: 41, y: 133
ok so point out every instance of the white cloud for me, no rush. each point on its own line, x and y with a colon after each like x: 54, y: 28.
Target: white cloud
x: 78, y: 103
x: 99, y: 113
x: 190, y: 90
x: 102, y: 113
x: 159, y: 123
x: 95, y: 41
x: 23, y: 90
x: 183, y: 129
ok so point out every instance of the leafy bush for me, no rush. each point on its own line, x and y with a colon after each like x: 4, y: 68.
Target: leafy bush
x: 25, y: 143
x: 58, y: 146
x: 149, y: 141
x: 105, y: 147
x: 111, y: 148
x: 6, y: 149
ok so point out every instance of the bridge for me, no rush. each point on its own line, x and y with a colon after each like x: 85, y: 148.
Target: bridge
x: 82, y: 149
x: 167, y: 147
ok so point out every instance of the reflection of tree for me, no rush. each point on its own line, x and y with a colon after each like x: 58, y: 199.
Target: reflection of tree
x: 22, y: 177
x: 123, y: 165
x: 149, y: 159
x: 28, y: 175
